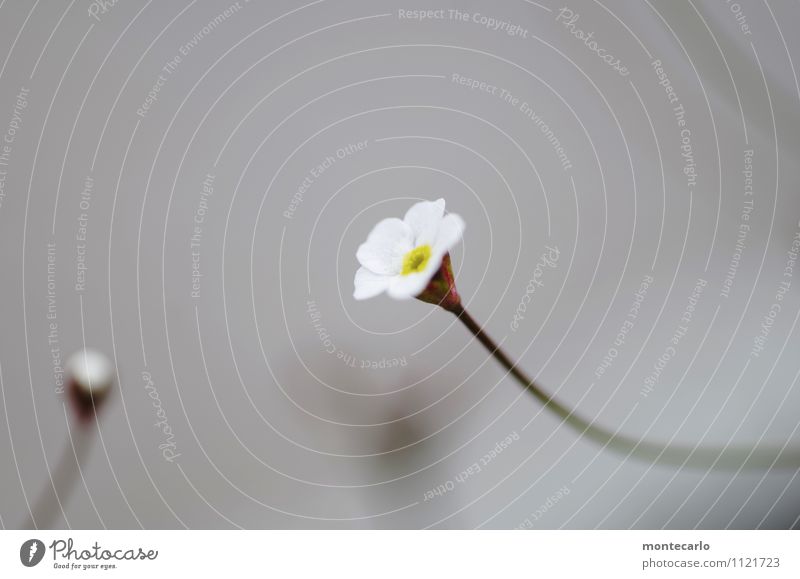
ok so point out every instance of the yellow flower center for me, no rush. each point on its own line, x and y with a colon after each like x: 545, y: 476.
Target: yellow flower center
x: 416, y: 260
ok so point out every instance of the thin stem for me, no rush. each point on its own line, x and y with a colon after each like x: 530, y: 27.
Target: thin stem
x: 704, y: 457
x: 63, y: 478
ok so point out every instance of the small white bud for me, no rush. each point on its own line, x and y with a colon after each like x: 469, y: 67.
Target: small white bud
x: 91, y: 371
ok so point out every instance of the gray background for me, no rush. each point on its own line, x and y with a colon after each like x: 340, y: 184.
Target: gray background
x: 274, y: 431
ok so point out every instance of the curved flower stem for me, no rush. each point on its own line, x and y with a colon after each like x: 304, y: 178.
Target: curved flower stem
x: 701, y: 457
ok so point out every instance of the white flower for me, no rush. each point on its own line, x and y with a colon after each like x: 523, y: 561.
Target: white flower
x: 401, y: 256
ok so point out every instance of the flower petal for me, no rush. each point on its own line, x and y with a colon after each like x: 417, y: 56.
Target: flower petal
x: 385, y: 247
x: 403, y: 287
x: 424, y: 218
x: 450, y: 231
x: 368, y: 284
